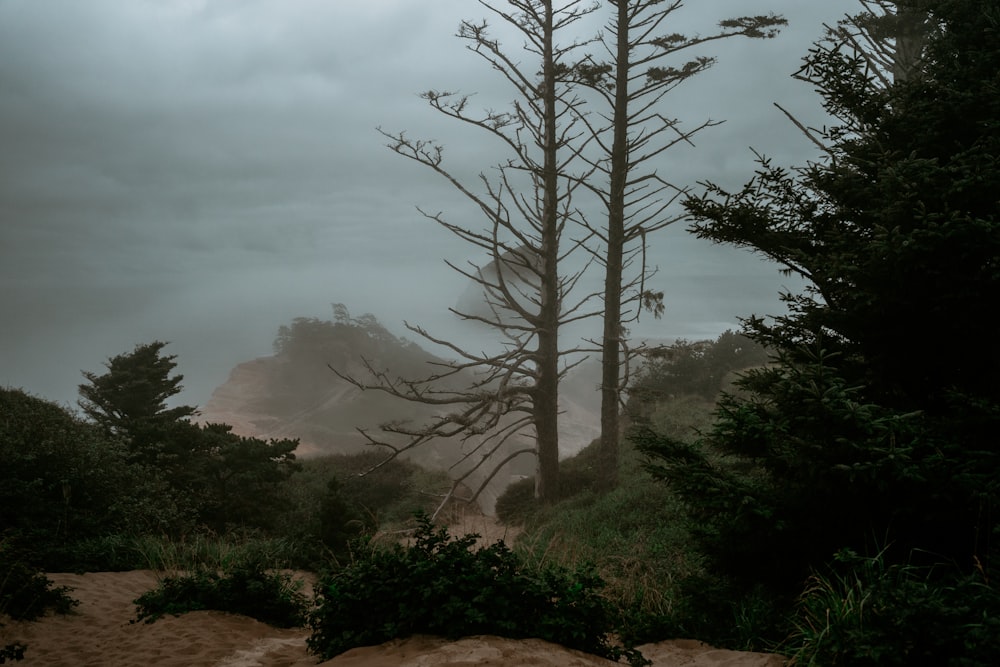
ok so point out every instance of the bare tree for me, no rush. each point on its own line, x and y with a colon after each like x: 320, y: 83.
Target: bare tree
x: 639, y: 68
x: 527, y: 204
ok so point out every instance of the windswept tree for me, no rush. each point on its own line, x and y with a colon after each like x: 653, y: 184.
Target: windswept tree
x: 206, y: 473
x: 527, y: 206
x: 130, y: 399
x: 641, y: 64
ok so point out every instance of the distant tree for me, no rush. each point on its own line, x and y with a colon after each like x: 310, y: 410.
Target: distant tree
x: 878, y: 420
x: 130, y: 399
x: 693, y: 368
x: 526, y: 208
x: 640, y: 68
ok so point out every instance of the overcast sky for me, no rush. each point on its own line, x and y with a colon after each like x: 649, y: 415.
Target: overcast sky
x: 203, y: 171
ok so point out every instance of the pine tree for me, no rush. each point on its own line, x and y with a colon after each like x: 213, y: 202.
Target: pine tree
x: 130, y: 399
x: 876, y: 423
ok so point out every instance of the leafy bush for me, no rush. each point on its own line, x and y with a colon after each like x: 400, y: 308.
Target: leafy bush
x: 578, y: 475
x: 60, y: 479
x: 692, y: 369
x: 440, y: 586
x: 26, y: 593
x: 331, y: 503
x: 268, y: 596
x: 14, y: 651
x: 517, y: 502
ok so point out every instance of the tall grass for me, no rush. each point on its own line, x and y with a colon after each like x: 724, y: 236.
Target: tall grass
x: 119, y: 553
x: 221, y: 553
x: 866, y: 611
x: 635, y: 536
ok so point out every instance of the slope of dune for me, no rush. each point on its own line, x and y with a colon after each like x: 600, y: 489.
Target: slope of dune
x: 100, y: 634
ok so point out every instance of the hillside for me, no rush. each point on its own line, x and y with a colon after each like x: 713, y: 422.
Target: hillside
x: 295, y: 394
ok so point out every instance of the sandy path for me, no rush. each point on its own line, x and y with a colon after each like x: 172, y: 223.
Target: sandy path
x: 99, y: 634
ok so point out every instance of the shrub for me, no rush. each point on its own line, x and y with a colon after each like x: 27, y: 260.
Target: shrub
x: 12, y: 652
x: 440, y: 586
x: 268, y: 596
x: 517, y: 502
x: 25, y: 593
x: 332, y: 503
x: 578, y: 476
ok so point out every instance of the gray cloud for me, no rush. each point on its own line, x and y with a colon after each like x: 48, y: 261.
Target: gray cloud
x: 203, y: 171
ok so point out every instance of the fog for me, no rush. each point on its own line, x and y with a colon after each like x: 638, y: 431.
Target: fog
x: 201, y: 172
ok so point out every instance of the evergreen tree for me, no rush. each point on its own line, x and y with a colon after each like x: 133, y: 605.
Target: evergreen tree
x: 876, y: 424
x: 130, y: 400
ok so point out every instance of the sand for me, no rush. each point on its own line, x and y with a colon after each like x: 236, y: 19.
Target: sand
x: 99, y: 633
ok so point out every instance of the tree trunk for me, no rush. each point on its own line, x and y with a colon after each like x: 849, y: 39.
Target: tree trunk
x: 911, y: 36
x: 611, y: 343
x: 546, y: 402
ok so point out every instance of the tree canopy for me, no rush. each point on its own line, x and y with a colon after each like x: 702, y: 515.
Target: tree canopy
x: 130, y: 399
x: 875, y: 426
x: 214, y: 477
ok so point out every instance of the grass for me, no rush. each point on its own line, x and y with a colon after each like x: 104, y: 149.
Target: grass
x: 635, y: 536
x: 120, y: 553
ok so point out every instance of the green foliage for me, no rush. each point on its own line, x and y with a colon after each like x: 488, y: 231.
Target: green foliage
x: 25, y: 593
x: 62, y: 480
x: 877, y: 418
x: 578, y: 475
x: 636, y: 540
x: 130, y: 400
x: 868, y: 612
x: 332, y: 503
x: 635, y: 535
x: 213, y: 478
x: 698, y: 368
x: 517, y: 502
x: 715, y: 611
x: 389, y: 493
x: 271, y: 597
x: 441, y: 586
x: 237, y: 481
x: 826, y: 472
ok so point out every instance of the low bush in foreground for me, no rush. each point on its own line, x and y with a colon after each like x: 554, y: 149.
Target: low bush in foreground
x: 441, y: 586
x: 25, y: 594
x: 268, y: 596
